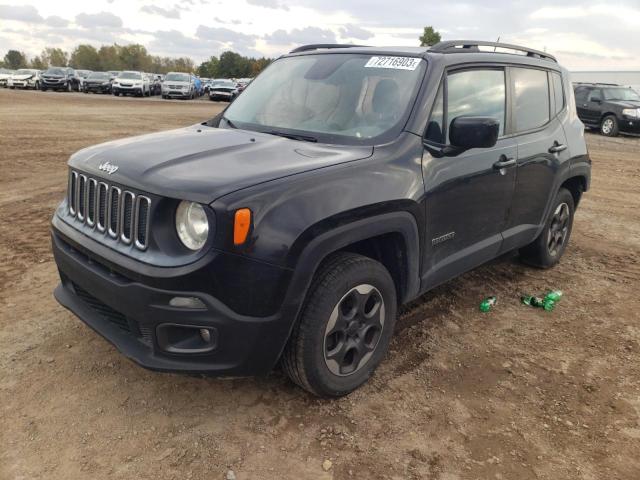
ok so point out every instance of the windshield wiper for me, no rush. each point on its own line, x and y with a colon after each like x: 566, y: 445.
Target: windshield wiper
x: 229, y: 122
x: 293, y: 136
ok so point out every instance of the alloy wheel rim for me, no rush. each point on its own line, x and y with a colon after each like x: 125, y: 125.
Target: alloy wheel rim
x: 354, y: 330
x: 607, y: 126
x: 558, y: 229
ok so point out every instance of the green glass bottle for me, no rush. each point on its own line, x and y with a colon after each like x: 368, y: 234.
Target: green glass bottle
x: 487, y: 303
x: 554, y: 295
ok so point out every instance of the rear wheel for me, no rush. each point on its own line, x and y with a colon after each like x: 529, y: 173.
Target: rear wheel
x: 609, y: 126
x: 344, y: 328
x: 546, y: 250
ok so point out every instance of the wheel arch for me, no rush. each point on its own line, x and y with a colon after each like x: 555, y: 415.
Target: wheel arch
x: 576, y: 185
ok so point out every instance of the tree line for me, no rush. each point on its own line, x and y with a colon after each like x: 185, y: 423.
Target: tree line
x: 136, y: 57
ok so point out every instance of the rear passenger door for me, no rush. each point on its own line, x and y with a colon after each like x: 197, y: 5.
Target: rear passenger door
x: 538, y: 104
x: 468, y: 195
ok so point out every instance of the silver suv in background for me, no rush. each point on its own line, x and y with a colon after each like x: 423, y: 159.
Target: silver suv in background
x: 178, y: 85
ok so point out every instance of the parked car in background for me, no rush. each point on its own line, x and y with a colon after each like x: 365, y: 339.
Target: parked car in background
x: 131, y: 83
x: 114, y: 73
x: 25, y: 78
x: 178, y: 85
x: 97, y: 82
x: 59, y: 78
x: 223, y: 90
x: 156, y: 83
x: 5, y: 73
x: 613, y: 109
x: 242, y: 84
x: 81, y: 75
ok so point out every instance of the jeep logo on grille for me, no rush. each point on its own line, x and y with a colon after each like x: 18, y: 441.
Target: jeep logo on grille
x: 108, y: 167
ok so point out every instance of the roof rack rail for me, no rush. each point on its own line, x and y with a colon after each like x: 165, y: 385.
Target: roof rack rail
x: 318, y: 46
x: 471, y: 46
x: 598, y: 83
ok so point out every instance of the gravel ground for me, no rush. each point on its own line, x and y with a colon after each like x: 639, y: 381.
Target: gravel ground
x: 517, y: 393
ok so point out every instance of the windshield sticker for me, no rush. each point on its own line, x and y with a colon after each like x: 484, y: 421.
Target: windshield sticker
x: 397, y: 63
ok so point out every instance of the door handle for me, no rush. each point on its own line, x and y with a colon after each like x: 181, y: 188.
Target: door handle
x: 557, y: 148
x: 504, y: 162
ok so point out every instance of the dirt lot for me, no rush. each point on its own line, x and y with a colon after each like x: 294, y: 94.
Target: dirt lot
x: 514, y: 394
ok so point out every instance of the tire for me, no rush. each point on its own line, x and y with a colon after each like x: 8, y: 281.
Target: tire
x: 117, y: 94
x: 609, y: 126
x: 325, y: 363
x: 546, y: 250
x: 44, y: 89
x: 69, y: 87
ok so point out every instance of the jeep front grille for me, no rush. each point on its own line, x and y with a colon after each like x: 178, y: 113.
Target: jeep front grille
x: 122, y: 214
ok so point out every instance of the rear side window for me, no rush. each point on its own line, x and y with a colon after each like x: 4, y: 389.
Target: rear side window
x: 531, y: 98
x: 476, y: 93
x: 558, y: 91
x: 581, y: 94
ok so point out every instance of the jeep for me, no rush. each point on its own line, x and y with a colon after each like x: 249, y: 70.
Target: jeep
x: 343, y: 183
x: 611, y: 108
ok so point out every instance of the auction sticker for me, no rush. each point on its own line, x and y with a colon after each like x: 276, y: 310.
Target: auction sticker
x: 397, y: 63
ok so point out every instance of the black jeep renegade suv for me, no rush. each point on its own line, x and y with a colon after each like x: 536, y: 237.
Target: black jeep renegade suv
x: 611, y: 108
x: 343, y: 183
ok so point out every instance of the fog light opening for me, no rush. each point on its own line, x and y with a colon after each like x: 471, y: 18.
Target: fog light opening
x: 205, y: 334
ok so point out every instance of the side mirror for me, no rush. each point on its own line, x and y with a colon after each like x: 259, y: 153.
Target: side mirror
x: 466, y: 133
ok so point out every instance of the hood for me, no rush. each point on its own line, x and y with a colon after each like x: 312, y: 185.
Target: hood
x: 202, y: 163
x: 625, y: 103
x: 22, y: 76
x: 5, y: 75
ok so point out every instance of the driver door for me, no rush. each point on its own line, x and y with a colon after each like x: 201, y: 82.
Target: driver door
x: 468, y: 196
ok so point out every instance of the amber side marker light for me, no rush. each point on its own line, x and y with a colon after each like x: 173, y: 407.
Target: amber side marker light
x: 241, y: 226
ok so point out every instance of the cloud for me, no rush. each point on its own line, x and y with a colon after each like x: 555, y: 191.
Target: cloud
x: 354, y: 31
x: 223, y: 35
x: 301, y: 36
x: 56, y: 21
x: 268, y: 4
x: 21, y: 13
x: 232, y: 22
x: 163, y: 12
x: 102, y: 19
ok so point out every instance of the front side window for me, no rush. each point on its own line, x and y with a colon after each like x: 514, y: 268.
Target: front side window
x: 531, y: 98
x: 595, y: 96
x: 476, y: 93
x: 341, y: 98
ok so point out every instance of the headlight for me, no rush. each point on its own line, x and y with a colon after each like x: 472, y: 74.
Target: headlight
x: 631, y: 112
x: 192, y: 225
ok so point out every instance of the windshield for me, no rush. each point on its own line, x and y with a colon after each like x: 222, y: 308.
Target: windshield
x: 177, y: 77
x: 130, y: 75
x: 621, y: 94
x: 341, y: 97
x: 223, y: 83
x: 83, y: 73
x: 99, y: 76
x: 55, y: 71
x: 24, y: 71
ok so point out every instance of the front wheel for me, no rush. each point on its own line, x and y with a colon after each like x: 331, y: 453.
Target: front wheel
x: 609, y: 126
x: 546, y: 250
x: 344, y: 328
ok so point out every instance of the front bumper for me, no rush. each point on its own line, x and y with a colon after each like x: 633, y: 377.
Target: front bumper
x: 177, y: 93
x: 125, y: 90
x: 89, y: 87
x: 220, y: 95
x: 630, y: 125
x: 128, y: 313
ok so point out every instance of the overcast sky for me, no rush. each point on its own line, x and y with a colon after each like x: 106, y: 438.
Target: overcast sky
x: 582, y: 33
